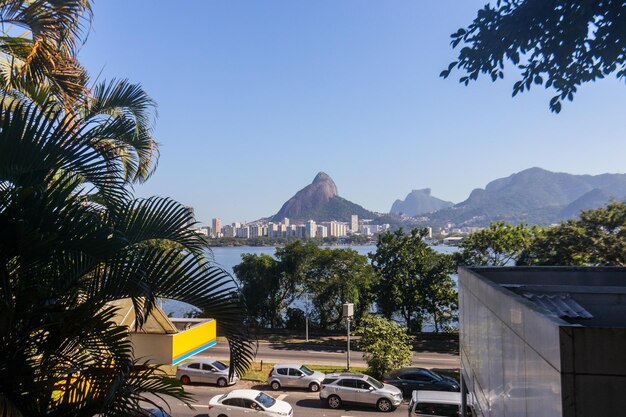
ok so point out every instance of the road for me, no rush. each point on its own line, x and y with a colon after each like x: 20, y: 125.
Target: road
x: 324, y: 355
x: 305, y: 404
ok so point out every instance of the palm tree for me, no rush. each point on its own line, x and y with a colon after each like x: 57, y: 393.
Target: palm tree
x: 65, y: 255
x: 39, y: 66
x: 73, y: 238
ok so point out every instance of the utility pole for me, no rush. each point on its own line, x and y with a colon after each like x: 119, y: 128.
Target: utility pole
x: 348, y: 312
x: 306, y: 317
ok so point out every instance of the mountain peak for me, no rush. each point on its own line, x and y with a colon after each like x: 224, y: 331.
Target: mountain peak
x: 320, y: 201
x: 419, y: 202
x: 321, y: 177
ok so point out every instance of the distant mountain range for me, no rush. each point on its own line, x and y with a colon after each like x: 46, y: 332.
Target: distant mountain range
x: 532, y: 196
x: 419, y: 202
x: 320, y: 201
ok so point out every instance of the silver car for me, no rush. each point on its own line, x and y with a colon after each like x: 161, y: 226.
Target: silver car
x: 294, y: 376
x: 359, y: 389
x: 205, y: 370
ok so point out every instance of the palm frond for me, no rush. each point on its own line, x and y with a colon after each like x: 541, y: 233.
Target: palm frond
x: 134, y: 110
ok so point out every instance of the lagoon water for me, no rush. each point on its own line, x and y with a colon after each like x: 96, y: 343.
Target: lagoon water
x: 229, y: 256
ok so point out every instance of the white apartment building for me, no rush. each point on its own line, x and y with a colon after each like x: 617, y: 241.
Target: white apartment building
x: 258, y: 230
x: 310, y: 229
x: 322, y: 231
x: 338, y: 229
x: 243, y: 232
x: 354, y: 223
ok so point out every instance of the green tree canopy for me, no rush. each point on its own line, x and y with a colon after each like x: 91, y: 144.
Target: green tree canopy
x: 598, y: 238
x: 415, y: 279
x: 263, y: 290
x: 557, y: 43
x: 335, y: 277
x: 386, y: 345
x: 498, y: 245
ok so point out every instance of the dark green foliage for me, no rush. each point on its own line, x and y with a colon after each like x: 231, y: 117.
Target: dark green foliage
x: 385, y: 344
x: 415, y: 280
x: 296, y: 319
x: 598, y: 238
x: 337, y: 276
x: 66, y: 250
x: 498, y: 245
x: 265, y: 290
x: 557, y: 43
x: 327, y: 277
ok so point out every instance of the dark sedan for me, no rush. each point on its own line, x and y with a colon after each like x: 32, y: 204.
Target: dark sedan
x: 410, y: 379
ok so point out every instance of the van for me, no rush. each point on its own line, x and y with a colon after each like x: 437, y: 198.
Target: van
x: 438, y: 404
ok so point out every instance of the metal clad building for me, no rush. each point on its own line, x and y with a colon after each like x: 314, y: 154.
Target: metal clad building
x: 544, y: 341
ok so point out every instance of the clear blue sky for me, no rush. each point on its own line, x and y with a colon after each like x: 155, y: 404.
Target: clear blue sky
x: 256, y: 97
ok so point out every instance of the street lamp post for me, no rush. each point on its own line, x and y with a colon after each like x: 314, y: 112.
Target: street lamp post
x: 348, y: 313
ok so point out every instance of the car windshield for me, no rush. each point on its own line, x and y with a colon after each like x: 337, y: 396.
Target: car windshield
x: 219, y: 365
x: 374, y: 382
x: 433, y: 375
x: 306, y: 370
x: 265, y: 399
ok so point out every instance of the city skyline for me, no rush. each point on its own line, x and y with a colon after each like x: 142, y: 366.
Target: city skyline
x: 255, y: 99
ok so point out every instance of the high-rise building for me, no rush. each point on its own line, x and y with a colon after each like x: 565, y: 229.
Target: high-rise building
x: 322, y: 231
x: 216, y: 225
x: 228, y: 231
x: 286, y: 221
x: 338, y: 229
x: 354, y: 223
x: 311, y: 229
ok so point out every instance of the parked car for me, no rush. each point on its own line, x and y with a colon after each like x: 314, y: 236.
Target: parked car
x: 438, y: 404
x: 205, y: 370
x: 155, y: 412
x: 359, y: 389
x: 294, y: 376
x: 241, y: 402
x: 410, y: 379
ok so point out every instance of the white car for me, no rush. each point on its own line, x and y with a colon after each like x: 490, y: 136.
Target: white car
x: 205, y: 370
x: 248, y: 402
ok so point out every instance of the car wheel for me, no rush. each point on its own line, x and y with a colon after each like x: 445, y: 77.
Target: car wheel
x: 275, y: 385
x: 221, y: 382
x: 334, y: 401
x: 314, y: 386
x: 185, y: 380
x: 384, y: 405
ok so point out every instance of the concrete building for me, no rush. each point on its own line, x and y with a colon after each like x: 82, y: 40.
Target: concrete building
x: 243, y: 232
x: 544, y: 341
x: 322, y: 231
x: 228, y: 231
x: 338, y: 229
x: 311, y: 229
x: 216, y: 226
x: 258, y: 230
x: 354, y: 223
x: 162, y: 339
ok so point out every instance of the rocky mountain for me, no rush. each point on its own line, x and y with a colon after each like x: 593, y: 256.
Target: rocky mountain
x: 320, y: 201
x: 533, y: 196
x: 419, y: 202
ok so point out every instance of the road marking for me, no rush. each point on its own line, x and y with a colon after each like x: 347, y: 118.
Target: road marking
x: 437, y: 359
x: 281, y: 397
